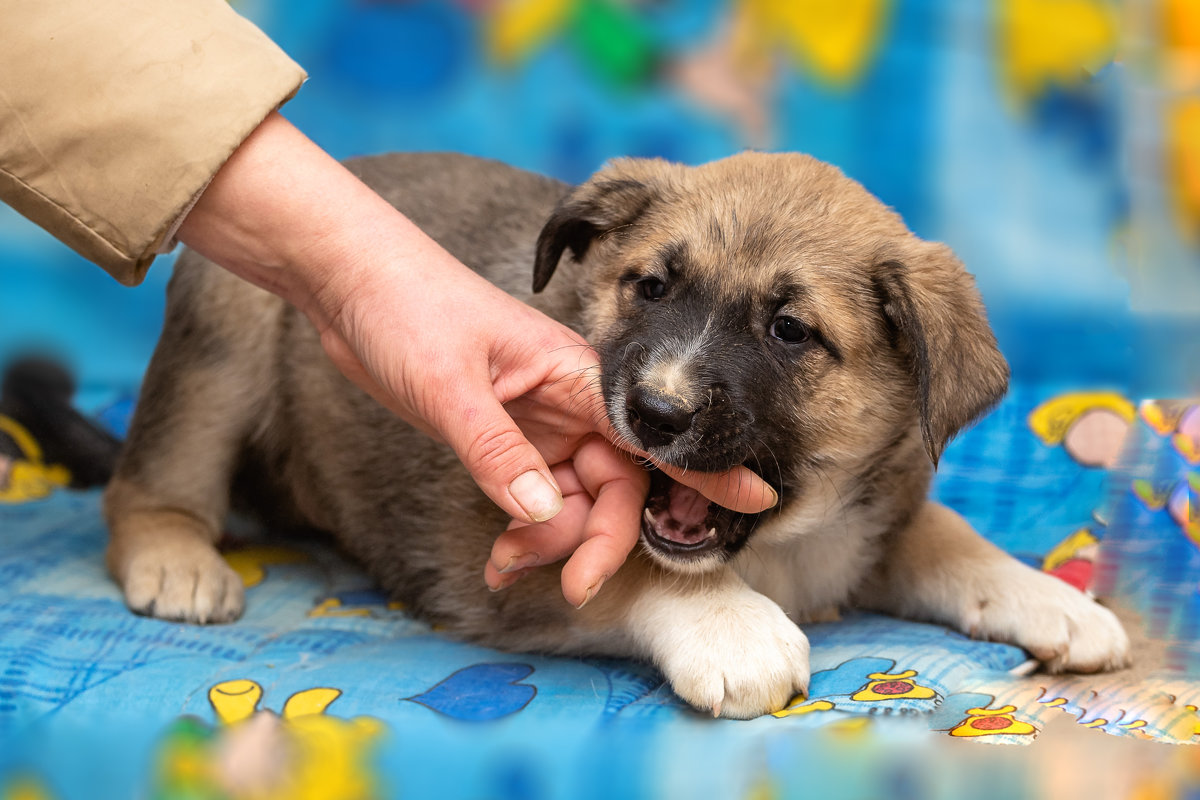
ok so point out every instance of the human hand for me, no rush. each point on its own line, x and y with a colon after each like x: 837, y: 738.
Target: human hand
x: 443, y: 349
x: 510, y: 390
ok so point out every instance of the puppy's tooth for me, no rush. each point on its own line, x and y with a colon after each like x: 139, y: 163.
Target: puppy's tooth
x: 646, y: 515
x: 712, y: 533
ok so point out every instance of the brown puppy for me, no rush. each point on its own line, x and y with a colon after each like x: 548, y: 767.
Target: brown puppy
x: 761, y: 310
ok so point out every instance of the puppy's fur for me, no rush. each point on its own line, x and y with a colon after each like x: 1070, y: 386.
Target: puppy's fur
x: 761, y: 310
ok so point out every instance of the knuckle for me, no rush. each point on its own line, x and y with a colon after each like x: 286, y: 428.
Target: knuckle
x: 494, y: 449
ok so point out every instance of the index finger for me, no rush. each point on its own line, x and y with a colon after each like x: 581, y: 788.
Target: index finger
x: 739, y: 489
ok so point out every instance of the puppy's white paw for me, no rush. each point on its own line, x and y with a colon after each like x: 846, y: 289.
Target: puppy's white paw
x: 733, y: 654
x: 1062, y: 627
x: 183, y: 581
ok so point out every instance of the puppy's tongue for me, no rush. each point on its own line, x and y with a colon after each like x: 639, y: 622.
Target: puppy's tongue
x: 683, y: 519
x: 687, y: 505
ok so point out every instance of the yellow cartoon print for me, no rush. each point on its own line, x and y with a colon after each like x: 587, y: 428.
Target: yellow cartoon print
x: 799, y: 706
x: 27, y: 477
x: 991, y: 722
x: 1184, y: 508
x: 850, y: 728
x: 1082, y: 544
x: 882, y: 686
x: 1090, y: 426
x: 1153, y: 496
x: 1163, y: 416
x: 1179, y: 499
x: 361, y: 603
x: 1196, y: 725
x: 250, y: 563
x: 1178, y: 421
x: 1188, y: 447
x: 302, y: 753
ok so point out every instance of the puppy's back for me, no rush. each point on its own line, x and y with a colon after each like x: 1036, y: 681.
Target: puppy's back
x: 486, y: 213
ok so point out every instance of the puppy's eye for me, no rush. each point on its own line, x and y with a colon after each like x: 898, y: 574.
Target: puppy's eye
x: 652, y: 289
x: 789, y: 330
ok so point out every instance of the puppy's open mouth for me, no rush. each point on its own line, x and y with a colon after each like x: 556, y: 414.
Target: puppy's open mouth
x: 681, y: 522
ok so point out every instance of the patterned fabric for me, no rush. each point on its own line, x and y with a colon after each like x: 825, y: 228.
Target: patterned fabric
x: 371, y: 703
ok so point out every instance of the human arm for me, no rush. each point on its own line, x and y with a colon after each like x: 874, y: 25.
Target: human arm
x: 109, y: 148
x: 509, y: 389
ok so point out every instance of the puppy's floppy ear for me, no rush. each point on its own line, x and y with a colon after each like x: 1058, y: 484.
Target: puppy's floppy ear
x: 931, y: 302
x: 615, y: 196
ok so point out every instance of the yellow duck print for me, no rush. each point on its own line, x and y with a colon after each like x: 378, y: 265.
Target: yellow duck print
x: 799, y: 706
x: 301, y: 753
x: 883, y: 686
x: 323, y: 754
x: 992, y: 722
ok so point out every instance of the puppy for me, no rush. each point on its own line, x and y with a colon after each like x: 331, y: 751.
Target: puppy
x: 761, y: 310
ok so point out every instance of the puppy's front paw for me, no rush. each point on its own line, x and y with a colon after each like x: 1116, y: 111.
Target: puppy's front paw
x: 738, y: 657
x: 1062, y: 627
x: 184, y: 581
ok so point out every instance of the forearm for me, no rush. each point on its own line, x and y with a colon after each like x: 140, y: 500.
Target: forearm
x: 286, y: 216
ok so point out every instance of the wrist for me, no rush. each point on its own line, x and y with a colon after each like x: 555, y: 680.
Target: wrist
x: 284, y: 215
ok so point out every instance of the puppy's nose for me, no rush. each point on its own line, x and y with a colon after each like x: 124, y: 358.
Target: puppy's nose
x: 655, y: 417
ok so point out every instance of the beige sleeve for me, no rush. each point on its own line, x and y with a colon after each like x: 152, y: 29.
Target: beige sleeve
x: 115, y: 114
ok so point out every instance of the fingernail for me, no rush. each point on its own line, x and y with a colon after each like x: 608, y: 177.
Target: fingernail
x: 536, y: 496
x: 520, y: 562
x: 507, y: 581
x: 774, y: 495
x: 592, y: 591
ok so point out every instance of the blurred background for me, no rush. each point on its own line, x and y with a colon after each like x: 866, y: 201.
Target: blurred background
x: 1055, y: 144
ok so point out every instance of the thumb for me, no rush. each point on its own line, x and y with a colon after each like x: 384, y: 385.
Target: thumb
x: 502, y: 462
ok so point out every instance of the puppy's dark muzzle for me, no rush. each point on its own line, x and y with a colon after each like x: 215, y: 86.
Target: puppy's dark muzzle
x: 657, y: 418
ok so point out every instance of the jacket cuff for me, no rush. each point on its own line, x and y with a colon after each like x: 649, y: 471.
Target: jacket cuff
x: 149, y: 98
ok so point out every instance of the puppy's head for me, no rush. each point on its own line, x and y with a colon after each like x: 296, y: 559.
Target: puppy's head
x: 766, y: 310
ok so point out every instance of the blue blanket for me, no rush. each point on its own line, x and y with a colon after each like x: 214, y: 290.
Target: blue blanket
x: 366, y: 701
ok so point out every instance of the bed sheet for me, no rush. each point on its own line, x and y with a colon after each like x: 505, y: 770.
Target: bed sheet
x: 364, y: 701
